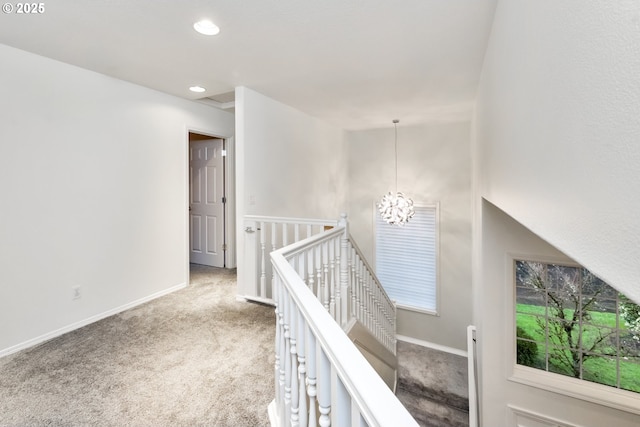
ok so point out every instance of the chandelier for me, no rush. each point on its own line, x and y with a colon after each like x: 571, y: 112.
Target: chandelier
x: 395, y: 208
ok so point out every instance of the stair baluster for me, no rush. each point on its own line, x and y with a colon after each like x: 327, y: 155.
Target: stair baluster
x: 324, y: 389
x: 312, y: 390
x: 295, y: 400
x: 287, y: 355
x: 302, y: 369
x: 263, y: 262
x: 320, y: 277
x: 310, y: 273
x: 332, y: 278
x: 324, y: 271
x: 278, y: 352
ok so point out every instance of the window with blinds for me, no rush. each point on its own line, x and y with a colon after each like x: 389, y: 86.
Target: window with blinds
x: 407, y: 259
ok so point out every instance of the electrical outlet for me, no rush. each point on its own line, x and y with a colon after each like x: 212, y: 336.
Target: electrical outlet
x: 76, y: 292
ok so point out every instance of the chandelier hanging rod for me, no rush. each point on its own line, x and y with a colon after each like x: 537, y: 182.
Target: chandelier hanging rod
x: 395, y: 148
x: 395, y: 208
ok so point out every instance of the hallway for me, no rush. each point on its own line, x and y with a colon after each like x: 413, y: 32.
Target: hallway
x: 193, y: 357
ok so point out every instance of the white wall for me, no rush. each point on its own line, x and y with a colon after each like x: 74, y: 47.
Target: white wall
x: 434, y: 165
x: 504, y: 239
x: 558, y: 124
x: 555, y: 147
x: 288, y: 164
x: 93, y: 186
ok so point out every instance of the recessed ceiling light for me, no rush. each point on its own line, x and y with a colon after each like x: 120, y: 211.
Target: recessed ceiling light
x: 206, y: 27
x: 197, y: 89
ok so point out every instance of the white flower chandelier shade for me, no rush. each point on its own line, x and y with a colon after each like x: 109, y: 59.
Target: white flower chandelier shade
x: 396, y: 209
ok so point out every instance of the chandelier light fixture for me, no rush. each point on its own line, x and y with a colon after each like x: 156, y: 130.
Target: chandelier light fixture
x: 395, y: 208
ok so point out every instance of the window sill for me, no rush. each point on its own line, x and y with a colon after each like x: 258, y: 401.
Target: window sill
x: 416, y: 309
x: 622, y: 400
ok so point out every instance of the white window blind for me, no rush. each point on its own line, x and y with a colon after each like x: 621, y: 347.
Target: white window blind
x: 407, y: 259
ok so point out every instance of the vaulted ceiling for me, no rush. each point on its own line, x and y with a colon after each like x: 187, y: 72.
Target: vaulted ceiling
x: 355, y: 63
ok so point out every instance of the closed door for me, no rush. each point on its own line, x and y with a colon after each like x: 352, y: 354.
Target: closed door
x: 206, y: 202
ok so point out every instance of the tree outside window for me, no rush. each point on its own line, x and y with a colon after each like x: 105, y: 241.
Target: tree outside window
x: 572, y: 323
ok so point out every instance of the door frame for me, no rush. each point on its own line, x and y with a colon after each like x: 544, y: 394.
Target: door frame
x: 229, y: 191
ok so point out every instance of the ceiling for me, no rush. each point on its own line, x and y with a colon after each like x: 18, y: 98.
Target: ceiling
x: 355, y: 63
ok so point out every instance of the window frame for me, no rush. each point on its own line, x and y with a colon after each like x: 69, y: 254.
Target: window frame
x: 422, y: 310
x: 601, y: 394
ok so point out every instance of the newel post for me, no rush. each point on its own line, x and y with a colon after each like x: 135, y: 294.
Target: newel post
x: 345, y: 292
x: 250, y: 283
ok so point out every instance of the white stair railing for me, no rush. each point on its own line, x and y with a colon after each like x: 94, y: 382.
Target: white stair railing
x: 319, y: 267
x: 348, y: 289
x: 319, y: 284
x: 265, y: 234
x: 370, y: 303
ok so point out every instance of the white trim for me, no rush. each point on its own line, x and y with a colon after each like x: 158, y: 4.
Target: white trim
x: 228, y: 142
x: 537, y: 417
x: 230, y: 206
x: 401, y: 306
x: 272, y: 410
x: 432, y: 345
x: 87, y: 321
x: 600, y: 394
x: 472, y: 376
x: 217, y: 104
x: 287, y: 220
x: 249, y: 298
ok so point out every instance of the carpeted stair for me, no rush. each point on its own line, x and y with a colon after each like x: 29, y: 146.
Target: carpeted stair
x: 433, y: 386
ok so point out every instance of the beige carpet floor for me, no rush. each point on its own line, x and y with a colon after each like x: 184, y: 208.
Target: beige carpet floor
x: 196, y: 357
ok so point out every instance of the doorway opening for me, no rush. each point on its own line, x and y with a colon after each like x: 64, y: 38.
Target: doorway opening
x: 210, y: 209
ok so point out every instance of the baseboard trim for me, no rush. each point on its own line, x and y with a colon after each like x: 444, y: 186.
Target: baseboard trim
x: 434, y: 346
x: 272, y: 409
x: 267, y: 301
x: 77, y: 325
